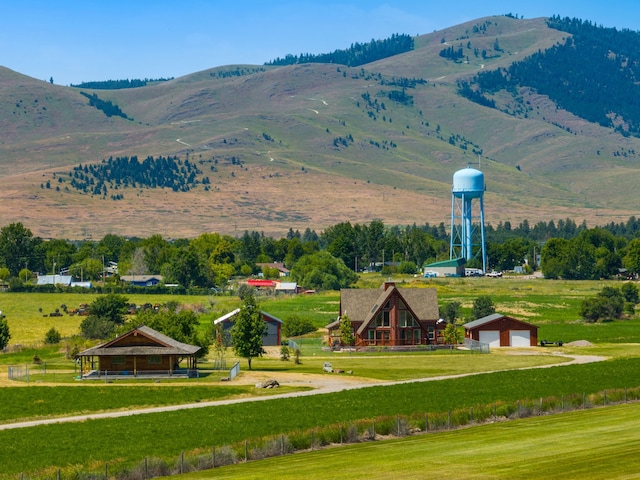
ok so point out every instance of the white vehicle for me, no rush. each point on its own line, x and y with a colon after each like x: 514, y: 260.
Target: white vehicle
x: 494, y: 274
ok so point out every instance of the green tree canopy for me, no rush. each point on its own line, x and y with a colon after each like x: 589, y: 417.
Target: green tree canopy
x: 482, y: 307
x: 322, y: 270
x: 5, y: 335
x: 105, y: 313
x: 248, y: 330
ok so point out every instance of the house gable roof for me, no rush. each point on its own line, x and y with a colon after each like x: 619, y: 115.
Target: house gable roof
x: 361, y: 305
x: 490, y: 319
x: 155, y: 343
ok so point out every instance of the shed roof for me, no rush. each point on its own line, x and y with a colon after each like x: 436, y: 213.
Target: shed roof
x: 228, y: 316
x: 455, y: 262
x: 492, y: 318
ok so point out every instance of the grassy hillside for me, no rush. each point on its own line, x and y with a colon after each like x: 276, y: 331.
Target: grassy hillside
x: 312, y: 145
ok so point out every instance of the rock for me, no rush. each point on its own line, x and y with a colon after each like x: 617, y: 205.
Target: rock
x: 268, y: 384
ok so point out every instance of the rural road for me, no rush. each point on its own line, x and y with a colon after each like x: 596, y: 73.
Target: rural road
x: 323, y: 384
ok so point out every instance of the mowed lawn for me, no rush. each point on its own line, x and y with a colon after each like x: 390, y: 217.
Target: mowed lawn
x: 600, y: 443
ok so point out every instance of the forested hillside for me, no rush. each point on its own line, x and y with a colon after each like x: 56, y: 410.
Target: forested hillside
x: 358, y: 54
x: 594, y: 74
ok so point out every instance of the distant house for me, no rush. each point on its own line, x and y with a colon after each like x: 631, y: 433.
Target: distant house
x: 389, y: 316
x: 142, y: 280
x: 499, y: 330
x: 140, y: 351
x: 284, y: 272
x: 272, y: 336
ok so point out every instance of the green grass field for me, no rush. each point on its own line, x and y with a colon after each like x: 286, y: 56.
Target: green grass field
x: 591, y: 444
x: 551, y: 305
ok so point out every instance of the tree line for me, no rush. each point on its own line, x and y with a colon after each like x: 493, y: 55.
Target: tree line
x: 119, y: 84
x: 356, y: 55
x: 325, y: 260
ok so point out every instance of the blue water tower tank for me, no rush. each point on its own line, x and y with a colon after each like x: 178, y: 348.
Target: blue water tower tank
x: 469, y: 182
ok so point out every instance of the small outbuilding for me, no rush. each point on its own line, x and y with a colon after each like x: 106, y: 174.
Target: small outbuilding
x: 272, y: 335
x: 447, y: 268
x: 499, y: 330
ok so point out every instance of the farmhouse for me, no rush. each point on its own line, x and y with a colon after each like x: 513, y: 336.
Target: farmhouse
x: 272, y: 335
x: 499, y: 330
x: 141, y: 351
x: 389, y: 316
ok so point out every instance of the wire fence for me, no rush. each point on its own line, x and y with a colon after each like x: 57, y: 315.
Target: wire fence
x: 339, y: 434
x: 53, y: 372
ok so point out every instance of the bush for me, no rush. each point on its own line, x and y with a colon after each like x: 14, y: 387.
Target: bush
x: 295, y: 326
x: 52, y: 336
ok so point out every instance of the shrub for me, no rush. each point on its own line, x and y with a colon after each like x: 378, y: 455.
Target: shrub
x: 294, y: 326
x: 52, y: 336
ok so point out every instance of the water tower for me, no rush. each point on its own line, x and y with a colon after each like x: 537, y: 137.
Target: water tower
x: 467, y: 216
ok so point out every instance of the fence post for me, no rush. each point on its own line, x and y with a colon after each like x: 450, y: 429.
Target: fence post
x: 106, y: 471
x: 282, y: 444
x: 540, y: 409
x: 518, y: 408
x: 58, y: 476
x: 495, y: 412
x: 398, y: 423
x: 562, y: 407
x: 246, y: 450
x: 313, y: 438
x: 471, y: 415
x: 625, y: 394
x: 584, y: 400
x: 374, y: 429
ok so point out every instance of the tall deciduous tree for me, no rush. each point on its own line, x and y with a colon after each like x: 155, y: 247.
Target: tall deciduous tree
x: 248, y: 330
x: 17, y: 246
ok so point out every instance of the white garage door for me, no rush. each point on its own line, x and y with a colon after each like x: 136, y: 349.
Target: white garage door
x: 520, y: 338
x: 492, y: 337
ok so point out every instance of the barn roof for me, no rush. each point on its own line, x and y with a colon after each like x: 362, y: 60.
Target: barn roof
x: 163, y: 345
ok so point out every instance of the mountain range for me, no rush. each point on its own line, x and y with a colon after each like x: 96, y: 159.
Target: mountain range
x: 307, y: 145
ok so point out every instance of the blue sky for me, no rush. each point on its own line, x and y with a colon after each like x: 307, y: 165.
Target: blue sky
x: 74, y: 41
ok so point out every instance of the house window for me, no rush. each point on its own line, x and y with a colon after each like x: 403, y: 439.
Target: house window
x: 431, y: 333
x: 406, y: 319
x: 382, y: 319
x: 118, y: 360
x: 154, y: 359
